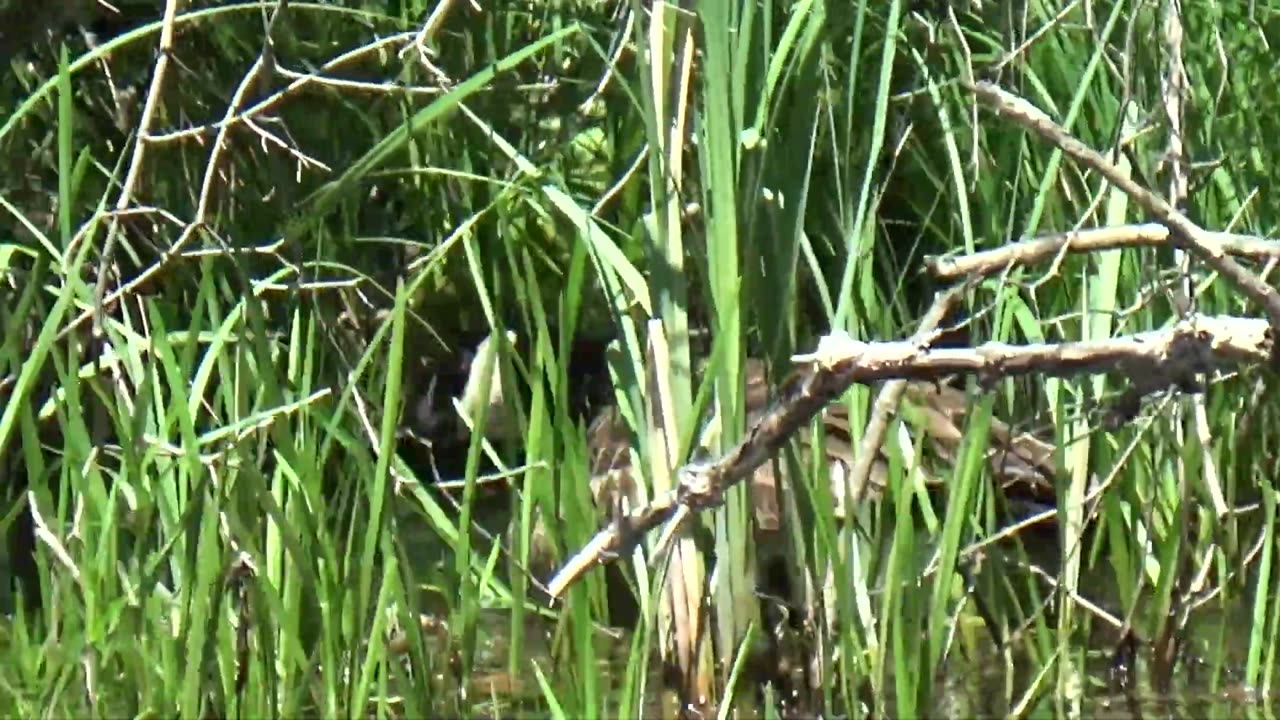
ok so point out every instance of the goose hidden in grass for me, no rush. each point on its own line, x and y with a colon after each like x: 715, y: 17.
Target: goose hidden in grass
x: 1022, y: 466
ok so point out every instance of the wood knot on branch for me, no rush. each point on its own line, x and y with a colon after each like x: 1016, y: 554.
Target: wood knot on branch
x: 699, y: 487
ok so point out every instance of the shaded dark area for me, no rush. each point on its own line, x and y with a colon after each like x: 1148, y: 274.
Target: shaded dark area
x: 20, y: 542
x: 25, y: 25
x: 429, y: 425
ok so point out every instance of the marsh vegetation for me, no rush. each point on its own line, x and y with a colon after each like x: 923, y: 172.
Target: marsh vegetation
x: 883, y: 359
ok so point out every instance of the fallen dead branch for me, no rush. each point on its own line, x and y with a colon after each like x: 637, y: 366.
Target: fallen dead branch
x: 1153, y: 361
x: 1045, y: 248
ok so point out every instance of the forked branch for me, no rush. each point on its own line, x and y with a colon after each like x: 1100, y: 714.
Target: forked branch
x: 1184, y: 234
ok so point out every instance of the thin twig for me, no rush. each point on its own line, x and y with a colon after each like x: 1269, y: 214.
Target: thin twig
x: 135, y: 163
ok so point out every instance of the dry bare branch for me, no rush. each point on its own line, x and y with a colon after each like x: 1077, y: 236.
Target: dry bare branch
x: 1184, y: 234
x: 1048, y: 247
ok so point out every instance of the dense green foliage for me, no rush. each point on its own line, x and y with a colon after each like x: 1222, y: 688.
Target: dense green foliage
x: 238, y: 240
